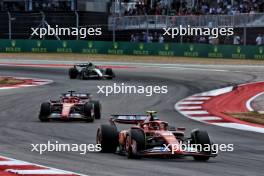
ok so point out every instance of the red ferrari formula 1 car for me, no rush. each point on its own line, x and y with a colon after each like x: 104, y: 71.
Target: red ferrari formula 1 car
x: 71, y: 106
x: 149, y: 136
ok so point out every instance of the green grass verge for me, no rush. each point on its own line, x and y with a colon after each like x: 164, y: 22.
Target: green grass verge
x: 9, y: 81
x: 252, y: 117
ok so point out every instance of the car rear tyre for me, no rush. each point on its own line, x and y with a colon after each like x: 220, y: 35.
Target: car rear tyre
x: 97, y: 109
x: 107, y: 136
x: 88, y: 112
x: 82, y: 75
x: 110, y: 73
x: 73, y: 73
x: 135, y: 143
x: 45, y: 111
x: 201, y: 137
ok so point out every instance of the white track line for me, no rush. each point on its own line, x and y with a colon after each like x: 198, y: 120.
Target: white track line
x: 43, y: 171
x: 217, y: 91
x: 195, y: 112
x: 191, y: 102
x: 37, y: 172
x: 190, y: 107
x: 13, y: 163
x: 206, y: 118
x: 248, y: 104
x: 240, y: 127
x: 198, y: 98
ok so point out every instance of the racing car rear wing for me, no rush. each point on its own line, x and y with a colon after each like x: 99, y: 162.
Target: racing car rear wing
x: 79, y: 95
x: 129, y: 119
x: 82, y: 64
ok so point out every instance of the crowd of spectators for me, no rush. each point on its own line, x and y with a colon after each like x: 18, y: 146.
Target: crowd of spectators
x: 36, y: 5
x: 49, y: 5
x: 235, y: 40
x: 12, y: 6
x: 201, y: 7
x: 147, y: 37
x: 260, y: 39
x: 154, y: 37
x: 231, y: 7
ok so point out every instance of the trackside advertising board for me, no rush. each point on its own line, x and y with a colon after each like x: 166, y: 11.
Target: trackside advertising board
x: 127, y: 48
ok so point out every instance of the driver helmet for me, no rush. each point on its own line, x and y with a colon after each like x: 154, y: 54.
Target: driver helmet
x: 153, y: 115
x: 164, y: 126
x: 154, y: 126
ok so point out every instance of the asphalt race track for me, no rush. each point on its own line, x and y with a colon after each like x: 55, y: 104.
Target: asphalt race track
x: 20, y: 126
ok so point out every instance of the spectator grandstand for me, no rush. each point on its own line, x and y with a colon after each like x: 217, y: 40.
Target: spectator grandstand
x: 37, y: 5
x: 144, y: 7
x: 151, y: 16
x: 187, y: 7
x: 137, y: 20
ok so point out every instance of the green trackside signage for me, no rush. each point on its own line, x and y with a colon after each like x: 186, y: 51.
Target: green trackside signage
x: 126, y: 48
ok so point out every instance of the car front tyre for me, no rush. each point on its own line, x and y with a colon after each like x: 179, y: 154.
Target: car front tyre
x: 45, y: 111
x: 73, y: 73
x: 109, y: 72
x: 135, y: 142
x: 202, y: 138
x: 88, y: 112
x: 97, y: 109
